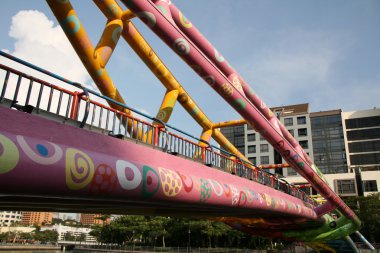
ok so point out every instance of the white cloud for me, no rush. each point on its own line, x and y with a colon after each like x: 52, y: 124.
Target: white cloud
x: 42, y: 43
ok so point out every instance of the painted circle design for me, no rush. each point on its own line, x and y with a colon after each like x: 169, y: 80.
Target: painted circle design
x: 239, y: 104
x: 148, y: 18
x: 151, y: 182
x: 9, y: 154
x: 133, y: 180
x: 187, y: 182
x: 181, y: 46
x: 205, y: 190
x: 71, y: 24
x: 104, y: 180
x: 218, y: 56
x: 171, y: 182
x: 209, y: 79
x: 43, y: 154
x: 184, y: 21
x: 226, y: 90
x: 216, y: 187
x: 161, y: 9
x: 42, y: 150
x: 116, y: 34
x: 235, y: 195
x: 161, y: 115
x: 79, y: 169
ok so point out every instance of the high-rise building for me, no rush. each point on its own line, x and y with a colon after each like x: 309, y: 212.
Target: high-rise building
x: 328, y: 141
x: 294, y: 117
x: 94, y: 219
x: 9, y: 217
x: 337, y: 141
x: 36, y: 218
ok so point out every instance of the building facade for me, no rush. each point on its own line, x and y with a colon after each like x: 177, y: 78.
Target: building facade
x: 36, y: 218
x: 94, y: 219
x: 7, y: 218
x: 340, y: 143
x: 67, y: 233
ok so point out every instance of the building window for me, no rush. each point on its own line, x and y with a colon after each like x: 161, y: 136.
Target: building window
x: 288, y: 121
x: 370, y: 185
x: 346, y: 186
x: 301, y: 120
x: 291, y: 131
x: 251, y: 137
x: 262, y: 138
x: 304, y: 144
x: 264, y: 147
x: 264, y: 159
x: 252, y: 149
x: 252, y: 160
x: 302, y: 132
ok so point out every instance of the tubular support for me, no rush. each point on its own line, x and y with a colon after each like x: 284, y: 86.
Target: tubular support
x: 137, y: 42
x: 247, y: 107
x: 363, y: 239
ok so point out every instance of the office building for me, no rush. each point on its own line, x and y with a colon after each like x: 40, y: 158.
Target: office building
x: 338, y: 142
x: 94, y: 219
x: 36, y: 218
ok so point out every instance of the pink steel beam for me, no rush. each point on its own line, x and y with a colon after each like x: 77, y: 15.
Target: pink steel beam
x: 246, y: 102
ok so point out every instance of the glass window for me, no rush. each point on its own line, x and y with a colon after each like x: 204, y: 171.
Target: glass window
x: 249, y: 127
x: 346, y: 186
x: 251, y: 137
x: 304, y: 144
x: 262, y: 138
x: 301, y: 120
x: 302, y: 132
x: 251, y: 149
x: 264, y: 159
x: 264, y: 147
x: 370, y: 185
x: 291, y: 131
x: 363, y: 122
x: 366, y: 146
x: 288, y: 121
x: 363, y: 134
x: 252, y: 160
x: 362, y: 159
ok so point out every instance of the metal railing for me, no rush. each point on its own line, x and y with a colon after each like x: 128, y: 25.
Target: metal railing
x: 77, y: 105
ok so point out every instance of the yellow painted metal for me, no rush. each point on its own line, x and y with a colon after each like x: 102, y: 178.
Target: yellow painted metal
x: 230, y: 123
x: 154, y: 63
x: 108, y: 41
x: 95, y: 60
x: 76, y: 33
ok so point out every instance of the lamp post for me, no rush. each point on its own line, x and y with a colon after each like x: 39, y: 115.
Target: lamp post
x: 189, y: 241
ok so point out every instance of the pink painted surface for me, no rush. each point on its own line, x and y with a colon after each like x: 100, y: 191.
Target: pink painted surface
x: 51, y: 158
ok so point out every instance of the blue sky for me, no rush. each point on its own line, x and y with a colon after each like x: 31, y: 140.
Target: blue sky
x: 323, y: 52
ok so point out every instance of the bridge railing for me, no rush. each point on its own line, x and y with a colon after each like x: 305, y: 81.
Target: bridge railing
x: 75, y: 104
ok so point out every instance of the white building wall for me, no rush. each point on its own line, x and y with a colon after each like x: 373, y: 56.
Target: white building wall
x: 75, y: 231
x: 9, y: 217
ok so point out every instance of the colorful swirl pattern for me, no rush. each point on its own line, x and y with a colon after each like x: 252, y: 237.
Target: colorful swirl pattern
x: 43, y: 152
x: 148, y: 18
x: 181, y: 46
x: 9, y: 155
x: 79, y: 169
x: 125, y: 170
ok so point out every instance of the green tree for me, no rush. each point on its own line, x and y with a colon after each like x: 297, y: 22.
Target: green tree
x: 368, y: 210
x: 46, y: 236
